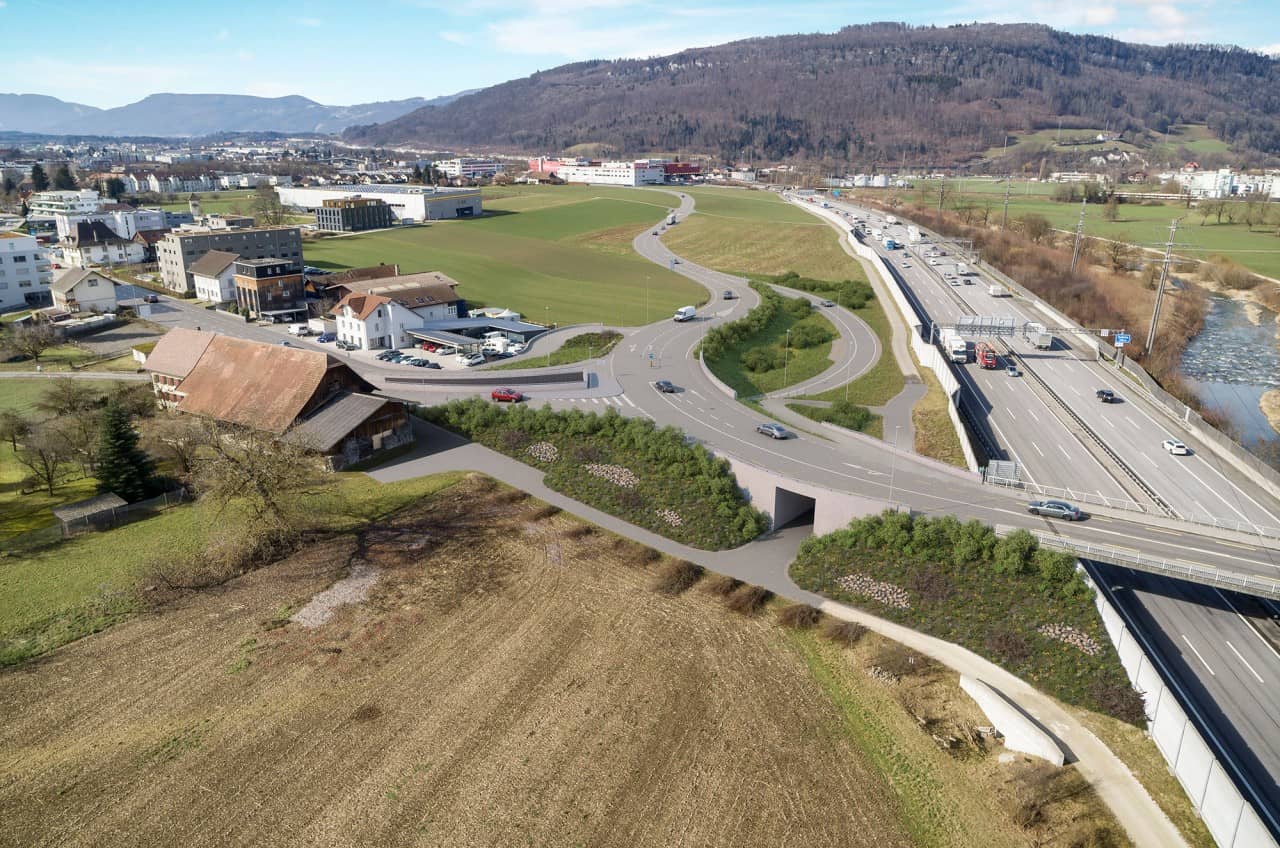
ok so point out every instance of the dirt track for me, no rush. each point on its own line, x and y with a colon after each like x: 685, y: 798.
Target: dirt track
x: 504, y: 684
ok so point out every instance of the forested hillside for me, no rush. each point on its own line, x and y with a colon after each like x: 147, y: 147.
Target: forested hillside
x: 865, y: 94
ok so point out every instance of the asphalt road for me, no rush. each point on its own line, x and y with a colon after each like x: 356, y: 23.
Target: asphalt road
x: 1223, y: 649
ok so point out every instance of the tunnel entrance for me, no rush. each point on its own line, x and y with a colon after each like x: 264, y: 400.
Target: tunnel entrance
x: 791, y: 509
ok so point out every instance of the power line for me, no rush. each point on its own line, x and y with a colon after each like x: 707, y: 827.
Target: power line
x: 1164, y: 275
x: 1075, y: 251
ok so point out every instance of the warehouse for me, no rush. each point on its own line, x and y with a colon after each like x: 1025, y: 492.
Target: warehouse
x: 409, y: 203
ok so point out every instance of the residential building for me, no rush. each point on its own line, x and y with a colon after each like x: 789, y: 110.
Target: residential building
x: 148, y: 239
x: 83, y: 290
x: 286, y: 391
x: 178, y: 249
x: 468, y: 168
x: 49, y: 204
x: 94, y: 243
x: 25, y: 272
x: 353, y: 214
x: 124, y: 220
x: 376, y: 314
x: 270, y: 289
x: 614, y: 173
x: 213, y: 276
x: 408, y: 202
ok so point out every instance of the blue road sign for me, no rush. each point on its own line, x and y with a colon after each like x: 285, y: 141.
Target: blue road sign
x: 1122, y: 338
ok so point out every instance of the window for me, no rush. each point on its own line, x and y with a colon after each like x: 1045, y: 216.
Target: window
x: 92, y: 282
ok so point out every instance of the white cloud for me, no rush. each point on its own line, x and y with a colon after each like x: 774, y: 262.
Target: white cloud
x: 1099, y: 15
x: 309, y: 22
x: 1167, y: 16
x: 454, y: 37
x: 570, y: 38
x: 222, y: 34
x: 245, y: 56
x: 1270, y: 49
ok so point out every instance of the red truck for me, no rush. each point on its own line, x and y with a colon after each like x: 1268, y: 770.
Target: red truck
x: 985, y: 354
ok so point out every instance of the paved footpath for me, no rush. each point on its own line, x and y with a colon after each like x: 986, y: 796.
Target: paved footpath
x: 764, y: 563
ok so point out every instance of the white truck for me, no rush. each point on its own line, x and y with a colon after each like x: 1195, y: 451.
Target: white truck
x: 299, y: 330
x: 956, y: 347
x: 997, y: 291
x: 671, y: 219
x: 913, y: 234
x: 320, y: 326
x: 685, y: 313
x: 1040, y: 336
x: 890, y: 219
x: 962, y: 269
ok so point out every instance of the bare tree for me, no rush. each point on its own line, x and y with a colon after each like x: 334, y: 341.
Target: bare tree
x: 29, y: 339
x: 175, y: 437
x: 13, y: 427
x: 262, y: 470
x: 268, y: 211
x: 1036, y: 227
x: 1119, y: 254
x: 68, y: 396
x: 44, y: 453
x: 79, y: 432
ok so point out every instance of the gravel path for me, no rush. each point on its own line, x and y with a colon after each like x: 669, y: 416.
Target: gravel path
x: 351, y: 589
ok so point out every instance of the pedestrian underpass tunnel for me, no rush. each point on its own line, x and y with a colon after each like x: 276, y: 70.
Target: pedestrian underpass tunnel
x: 791, y: 509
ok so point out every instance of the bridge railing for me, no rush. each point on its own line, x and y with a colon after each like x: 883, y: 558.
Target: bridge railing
x: 1266, y: 587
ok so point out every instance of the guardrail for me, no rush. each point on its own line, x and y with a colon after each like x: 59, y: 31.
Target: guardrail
x: 1266, y: 587
x: 1067, y: 494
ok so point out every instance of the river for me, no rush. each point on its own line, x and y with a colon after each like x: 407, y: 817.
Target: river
x: 1232, y: 362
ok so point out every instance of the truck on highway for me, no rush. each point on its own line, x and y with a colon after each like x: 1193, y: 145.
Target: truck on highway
x: 685, y: 313
x: 985, y: 355
x: 913, y: 234
x: 997, y: 291
x: 1040, y: 336
x: 956, y: 347
x: 890, y: 219
x: 671, y: 219
x: 962, y: 269
x: 890, y: 244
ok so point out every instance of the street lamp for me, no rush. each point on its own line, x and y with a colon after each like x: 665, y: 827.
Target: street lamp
x: 786, y: 359
x: 893, y: 463
x: 548, y: 323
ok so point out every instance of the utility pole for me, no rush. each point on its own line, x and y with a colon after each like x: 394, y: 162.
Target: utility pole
x: 1164, y: 275
x: 1004, y: 220
x: 1075, y: 251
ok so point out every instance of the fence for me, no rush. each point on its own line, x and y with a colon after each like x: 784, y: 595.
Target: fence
x: 1232, y: 820
x: 116, y: 516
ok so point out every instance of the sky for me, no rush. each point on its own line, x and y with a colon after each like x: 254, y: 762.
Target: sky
x: 356, y: 51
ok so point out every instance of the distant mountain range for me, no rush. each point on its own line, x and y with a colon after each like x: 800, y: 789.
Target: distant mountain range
x: 872, y: 94
x: 197, y: 115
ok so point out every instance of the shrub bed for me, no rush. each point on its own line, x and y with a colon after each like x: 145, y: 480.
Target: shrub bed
x: 853, y: 294
x: 842, y: 413
x: 626, y: 467
x: 1020, y: 606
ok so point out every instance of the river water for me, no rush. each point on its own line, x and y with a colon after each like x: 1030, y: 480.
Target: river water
x: 1232, y: 362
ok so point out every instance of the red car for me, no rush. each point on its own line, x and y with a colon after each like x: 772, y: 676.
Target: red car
x: 505, y: 394
x: 429, y: 347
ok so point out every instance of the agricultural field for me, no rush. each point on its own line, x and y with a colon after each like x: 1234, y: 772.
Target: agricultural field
x: 216, y: 202
x: 510, y: 678
x: 555, y: 253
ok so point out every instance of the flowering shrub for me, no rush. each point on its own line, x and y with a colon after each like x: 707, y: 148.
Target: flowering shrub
x: 543, y: 451
x: 1071, y: 636
x: 615, y: 474
x: 877, y: 590
x: 671, y: 517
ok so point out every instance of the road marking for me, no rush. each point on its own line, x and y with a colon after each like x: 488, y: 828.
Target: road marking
x: 1109, y: 422
x: 1037, y: 447
x: 1154, y: 464
x: 595, y: 400
x: 1245, y: 661
x: 1132, y: 422
x: 1197, y: 653
x: 1009, y: 412
x: 1032, y: 413
x: 1247, y: 623
x: 1064, y: 451
x: 629, y: 401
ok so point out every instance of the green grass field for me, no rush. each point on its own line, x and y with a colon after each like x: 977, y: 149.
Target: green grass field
x: 577, y: 349
x: 557, y: 253
x: 58, y: 593
x: 217, y: 202
x: 802, y: 364
x: 883, y: 381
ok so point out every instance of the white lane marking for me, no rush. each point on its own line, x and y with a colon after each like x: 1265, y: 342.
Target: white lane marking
x: 1248, y: 624
x: 1032, y: 413
x: 629, y: 401
x: 698, y: 393
x: 1132, y: 423
x: 1150, y: 460
x: 1009, y: 412
x: 1064, y: 451
x: 1107, y: 420
x: 1197, y: 653
x: 1074, y: 389
x: 1186, y: 467
x: 730, y: 426
x: 1245, y: 661
x: 713, y: 417
x: 1037, y: 447
x: 595, y: 400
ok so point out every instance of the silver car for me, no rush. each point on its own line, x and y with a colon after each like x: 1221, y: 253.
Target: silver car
x: 774, y: 431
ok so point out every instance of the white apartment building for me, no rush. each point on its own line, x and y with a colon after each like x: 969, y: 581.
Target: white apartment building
x: 377, y: 314
x: 239, y: 181
x: 95, y: 243
x: 25, y: 272
x: 407, y: 202
x: 125, y: 221
x: 49, y: 204
x: 470, y: 168
x: 614, y: 173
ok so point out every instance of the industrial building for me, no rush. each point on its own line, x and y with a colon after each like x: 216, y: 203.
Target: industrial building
x: 409, y: 203
x: 354, y: 214
x: 639, y: 172
x: 468, y: 168
x: 178, y: 250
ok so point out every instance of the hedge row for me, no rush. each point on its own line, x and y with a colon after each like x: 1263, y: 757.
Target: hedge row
x: 627, y: 467
x: 853, y: 294
x: 1007, y: 599
x: 720, y: 339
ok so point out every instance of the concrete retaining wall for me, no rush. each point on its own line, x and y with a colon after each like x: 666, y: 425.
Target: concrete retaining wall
x: 715, y: 381
x: 1020, y: 732
x: 1229, y: 816
x: 783, y: 498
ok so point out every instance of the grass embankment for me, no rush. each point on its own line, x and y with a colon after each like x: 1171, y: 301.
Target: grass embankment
x: 624, y: 466
x: 61, y: 591
x: 549, y: 252
x: 577, y: 349
x: 843, y: 414
x: 936, y: 436
x: 864, y: 744
x: 1021, y: 607
x: 779, y: 343
x: 19, y: 513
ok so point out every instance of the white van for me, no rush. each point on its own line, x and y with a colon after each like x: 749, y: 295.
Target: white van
x: 299, y: 330
x: 685, y: 313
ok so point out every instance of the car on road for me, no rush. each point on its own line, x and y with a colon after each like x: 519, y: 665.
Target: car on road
x: 665, y: 386
x: 503, y: 394
x: 655, y: 232
x: 286, y: 343
x: 1175, y: 447
x: 325, y: 338
x: 1055, y: 509
x: 341, y: 345
x: 773, y: 431
x: 729, y: 295
x: 675, y: 261
x: 470, y: 359
x: 151, y: 298
x: 826, y: 303
x: 1105, y: 395
x: 1012, y: 371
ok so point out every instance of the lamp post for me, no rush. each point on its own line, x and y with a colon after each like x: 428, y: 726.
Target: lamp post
x: 893, y: 463
x: 548, y: 323
x: 786, y: 359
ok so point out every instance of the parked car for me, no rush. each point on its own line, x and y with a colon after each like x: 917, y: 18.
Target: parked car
x: 665, y: 386
x: 415, y: 361
x: 1106, y: 395
x: 774, y: 431
x: 426, y: 363
x: 325, y: 338
x: 503, y: 394
x: 341, y: 345
x: 514, y: 348
x: 470, y: 359
x: 390, y: 355
x: 1175, y: 447
x: 1055, y: 509
x: 1012, y: 371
